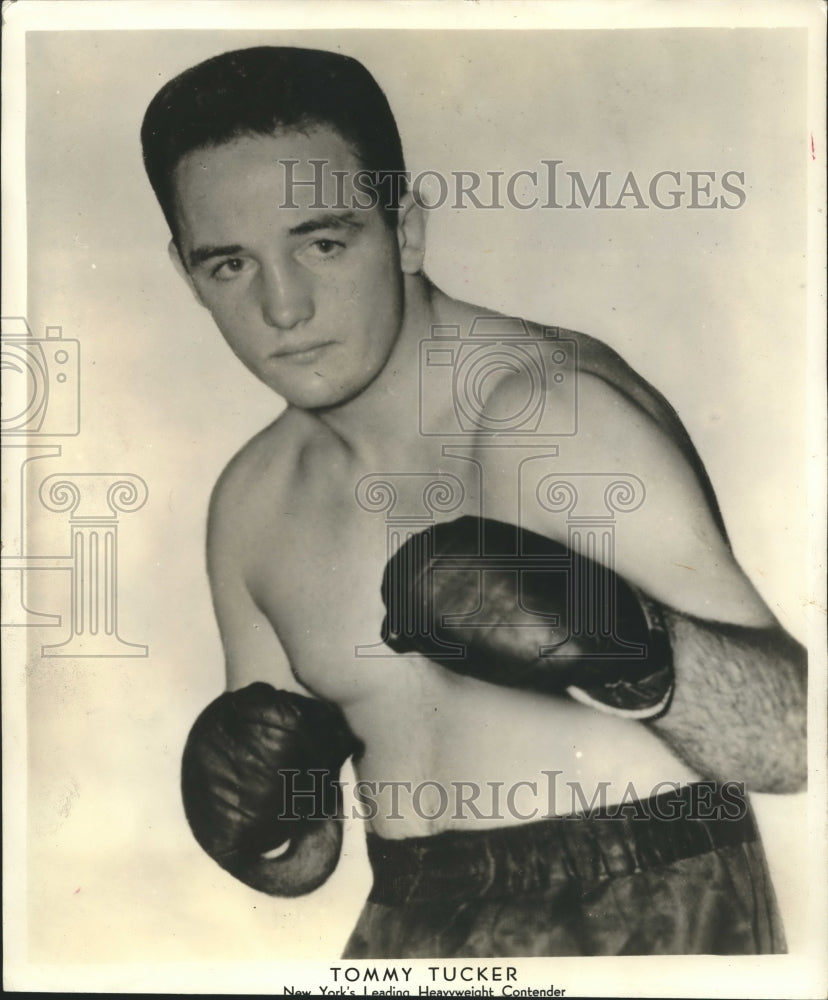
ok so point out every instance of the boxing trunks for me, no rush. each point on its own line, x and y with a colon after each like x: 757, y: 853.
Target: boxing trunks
x: 653, y: 877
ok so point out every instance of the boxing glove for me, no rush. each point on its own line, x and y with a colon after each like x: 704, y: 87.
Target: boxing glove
x: 258, y: 772
x: 511, y: 607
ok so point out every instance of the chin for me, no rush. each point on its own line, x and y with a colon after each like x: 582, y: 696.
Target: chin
x: 327, y: 394
x: 322, y: 397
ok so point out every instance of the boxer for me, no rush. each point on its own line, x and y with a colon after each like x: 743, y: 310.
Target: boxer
x: 281, y: 176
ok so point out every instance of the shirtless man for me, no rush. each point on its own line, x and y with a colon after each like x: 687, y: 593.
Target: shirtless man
x: 315, y: 280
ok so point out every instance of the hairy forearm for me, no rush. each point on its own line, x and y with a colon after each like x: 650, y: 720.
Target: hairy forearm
x: 739, y: 707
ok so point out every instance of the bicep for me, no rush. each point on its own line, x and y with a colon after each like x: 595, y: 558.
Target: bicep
x: 673, y: 548
x: 669, y: 542
x: 252, y: 650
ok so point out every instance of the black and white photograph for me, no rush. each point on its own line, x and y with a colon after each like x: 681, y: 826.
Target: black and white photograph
x: 414, y: 498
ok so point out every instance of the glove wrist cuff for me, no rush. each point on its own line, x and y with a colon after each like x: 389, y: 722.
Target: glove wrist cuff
x: 649, y: 696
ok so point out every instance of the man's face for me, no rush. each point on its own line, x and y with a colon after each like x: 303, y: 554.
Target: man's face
x: 310, y: 299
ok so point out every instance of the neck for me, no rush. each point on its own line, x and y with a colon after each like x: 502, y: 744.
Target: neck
x: 382, y: 422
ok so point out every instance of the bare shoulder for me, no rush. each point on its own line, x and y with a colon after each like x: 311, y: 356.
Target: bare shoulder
x: 550, y: 382
x: 594, y: 363
x: 583, y: 382
x: 249, y: 489
x: 551, y: 401
x: 597, y: 411
x: 671, y: 541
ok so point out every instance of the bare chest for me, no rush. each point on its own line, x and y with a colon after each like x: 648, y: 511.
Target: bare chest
x: 322, y: 594
x: 320, y: 557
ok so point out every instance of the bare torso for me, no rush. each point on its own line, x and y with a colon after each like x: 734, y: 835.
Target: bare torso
x: 314, y: 558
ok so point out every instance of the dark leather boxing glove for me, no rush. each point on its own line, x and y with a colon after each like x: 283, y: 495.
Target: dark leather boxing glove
x: 260, y: 770
x: 512, y: 607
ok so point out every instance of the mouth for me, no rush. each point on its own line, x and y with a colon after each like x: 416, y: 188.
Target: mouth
x: 303, y: 355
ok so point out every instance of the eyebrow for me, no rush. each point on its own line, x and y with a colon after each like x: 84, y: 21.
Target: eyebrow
x: 330, y: 220
x: 202, y: 254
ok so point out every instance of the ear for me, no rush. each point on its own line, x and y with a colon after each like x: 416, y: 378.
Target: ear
x: 411, y: 226
x: 178, y: 264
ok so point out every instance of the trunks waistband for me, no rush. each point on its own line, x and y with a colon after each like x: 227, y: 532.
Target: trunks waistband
x: 590, y: 847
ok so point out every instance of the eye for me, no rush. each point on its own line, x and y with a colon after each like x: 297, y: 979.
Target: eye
x: 228, y: 269
x: 324, y: 249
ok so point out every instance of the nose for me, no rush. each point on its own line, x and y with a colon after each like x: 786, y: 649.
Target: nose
x: 285, y: 297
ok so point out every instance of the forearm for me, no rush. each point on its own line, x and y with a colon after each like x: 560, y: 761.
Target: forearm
x: 738, y: 711
x: 735, y: 695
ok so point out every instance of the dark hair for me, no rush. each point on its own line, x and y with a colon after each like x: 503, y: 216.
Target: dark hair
x: 260, y: 90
